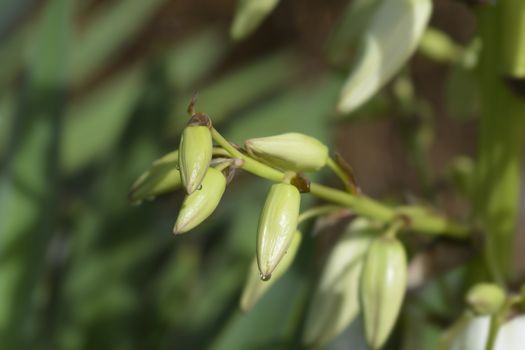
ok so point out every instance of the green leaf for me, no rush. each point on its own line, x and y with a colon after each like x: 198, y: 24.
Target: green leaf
x: 235, y: 90
x: 28, y: 207
x: 194, y: 57
x: 108, y: 33
x: 104, y: 114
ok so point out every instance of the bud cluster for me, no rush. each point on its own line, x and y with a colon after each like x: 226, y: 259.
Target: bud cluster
x: 204, y: 172
x: 366, y: 273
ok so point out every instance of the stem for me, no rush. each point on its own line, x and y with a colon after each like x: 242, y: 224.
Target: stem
x: 502, y: 133
x: 420, y: 219
x: 394, y: 228
x: 341, y: 174
x: 250, y: 164
x: 493, y: 332
x: 498, y: 319
x: 318, y: 211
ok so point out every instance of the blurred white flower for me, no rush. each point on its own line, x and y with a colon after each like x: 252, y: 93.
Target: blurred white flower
x: 511, y: 335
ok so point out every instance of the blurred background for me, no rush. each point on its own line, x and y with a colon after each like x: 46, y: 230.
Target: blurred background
x: 92, y: 91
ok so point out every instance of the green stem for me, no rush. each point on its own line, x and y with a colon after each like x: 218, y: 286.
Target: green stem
x: 318, y: 211
x: 341, y: 174
x: 394, y: 228
x: 420, y: 219
x: 502, y: 133
x: 493, y: 332
x: 497, y: 320
x: 250, y: 164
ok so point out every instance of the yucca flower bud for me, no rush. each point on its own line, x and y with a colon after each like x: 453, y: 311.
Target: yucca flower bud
x: 485, y: 298
x: 162, y: 177
x: 335, y: 303
x: 199, y: 205
x: 255, y: 288
x: 383, y: 287
x: 277, y: 224
x: 195, y: 151
x: 291, y: 151
x: 389, y: 41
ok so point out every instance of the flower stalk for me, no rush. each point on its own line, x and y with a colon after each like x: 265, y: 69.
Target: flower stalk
x: 418, y: 219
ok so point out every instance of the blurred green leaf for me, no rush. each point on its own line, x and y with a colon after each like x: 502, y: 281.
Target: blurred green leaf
x: 108, y: 33
x: 194, y: 57
x: 28, y: 188
x: 104, y: 114
x: 305, y: 109
x: 249, y: 15
x: 271, y: 323
x: 7, y: 110
x: 11, y: 55
x: 235, y: 90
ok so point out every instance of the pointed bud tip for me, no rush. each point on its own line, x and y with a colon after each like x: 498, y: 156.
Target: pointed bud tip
x: 180, y: 228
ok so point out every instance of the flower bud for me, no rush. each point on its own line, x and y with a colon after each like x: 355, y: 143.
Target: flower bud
x: 485, y: 298
x: 195, y: 155
x: 255, y: 288
x: 200, y: 204
x: 335, y: 303
x: 277, y: 224
x: 291, y: 151
x: 389, y: 41
x: 383, y: 287
x: 162, y: 177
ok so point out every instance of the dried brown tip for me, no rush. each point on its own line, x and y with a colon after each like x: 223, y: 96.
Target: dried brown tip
x: 200, y: 119
x: 191, y: 106
x: 301, y: 182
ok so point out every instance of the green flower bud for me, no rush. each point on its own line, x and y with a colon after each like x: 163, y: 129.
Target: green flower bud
x: 277, y: 224
x: 195, y: 154
x: 485, y: 298
x: 291, y: 151
x: 383, y: 287
x: 335, y: 303
x: 200, y: 204
x: 255, y: 288
x: 162, y: 177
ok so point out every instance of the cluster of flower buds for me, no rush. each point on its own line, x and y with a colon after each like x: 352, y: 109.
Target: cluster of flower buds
x: 190, y: 168
x: 204, y: 179
x: 366, y: 272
